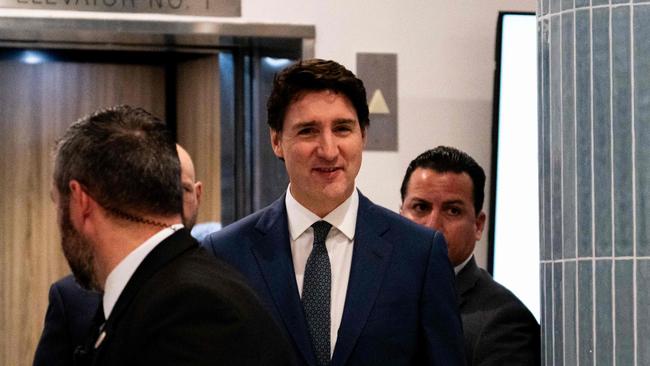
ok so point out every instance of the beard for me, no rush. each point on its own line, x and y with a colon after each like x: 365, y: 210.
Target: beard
x: 78, y: 252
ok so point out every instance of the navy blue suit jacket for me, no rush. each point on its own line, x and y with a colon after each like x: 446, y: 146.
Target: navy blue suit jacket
x: 68, y: 321
x: 400, y: 307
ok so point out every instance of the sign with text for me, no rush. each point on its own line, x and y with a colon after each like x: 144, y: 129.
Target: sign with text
x: 217, y: 8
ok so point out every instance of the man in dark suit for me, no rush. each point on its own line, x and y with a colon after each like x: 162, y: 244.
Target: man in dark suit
x: 71, y: 308
x: 118, y: 191
x: 351, y: 282
x: 443, y: 190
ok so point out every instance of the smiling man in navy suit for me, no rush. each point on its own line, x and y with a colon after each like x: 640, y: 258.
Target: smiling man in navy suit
x: 350, y: 282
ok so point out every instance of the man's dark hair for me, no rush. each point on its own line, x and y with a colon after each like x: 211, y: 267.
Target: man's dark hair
x: 444, y: 159
x: 314, y: 75
x: 125, y: 159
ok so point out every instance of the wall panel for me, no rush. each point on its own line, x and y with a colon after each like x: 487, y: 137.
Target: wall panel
x: 38, y: 102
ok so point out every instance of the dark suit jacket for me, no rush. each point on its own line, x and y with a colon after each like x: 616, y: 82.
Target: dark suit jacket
x: 499, y: 329
x: 184, y: 307
x: 68, y: 321
x: 400, y: 307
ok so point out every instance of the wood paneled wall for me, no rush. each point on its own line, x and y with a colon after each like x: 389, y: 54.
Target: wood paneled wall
x: 37, y: 103
x: 198, y: 121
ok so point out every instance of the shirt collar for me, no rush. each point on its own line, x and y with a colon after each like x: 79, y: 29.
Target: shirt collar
x: 343, y: 217
x: 121, y: 274
x: 460, y: 267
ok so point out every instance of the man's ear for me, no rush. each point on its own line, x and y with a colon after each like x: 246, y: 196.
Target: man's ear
x: 276, y: 143
x: 480, y: 225
x: 198, y: 189
x: 81, y: 204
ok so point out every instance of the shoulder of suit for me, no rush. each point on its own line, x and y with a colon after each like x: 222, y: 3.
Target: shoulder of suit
x: 71, y: 296
x: 236, y: 228
x: 489, y: 291
x: 232, y: 239
x: 397, y: 229
x: 503, y: 307
x: 68, y: 286
x: 395, y: 220
x: 65, y: 282
x: 196, y: 275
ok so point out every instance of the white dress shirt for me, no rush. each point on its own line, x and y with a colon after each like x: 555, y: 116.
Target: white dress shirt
x: 121, y: 274
x: 339, y: 243
x: 460, y: 267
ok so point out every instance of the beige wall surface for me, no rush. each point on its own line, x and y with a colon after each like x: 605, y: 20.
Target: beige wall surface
x: 445, y: 69
x: 198, y: 126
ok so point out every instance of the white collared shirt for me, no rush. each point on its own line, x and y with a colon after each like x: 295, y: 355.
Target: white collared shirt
x: 121, y: 274
x: 460, y: 267
x: 339, y: 243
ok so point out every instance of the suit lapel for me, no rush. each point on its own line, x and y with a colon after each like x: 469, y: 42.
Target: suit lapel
x: 370, y: 257
x: 168, y: 249
x: 272, y: 251
x: 466, y: 280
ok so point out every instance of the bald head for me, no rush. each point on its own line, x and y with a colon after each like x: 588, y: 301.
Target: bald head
x: 191, y: 188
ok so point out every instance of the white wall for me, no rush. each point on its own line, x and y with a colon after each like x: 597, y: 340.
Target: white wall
x: 445, y: 72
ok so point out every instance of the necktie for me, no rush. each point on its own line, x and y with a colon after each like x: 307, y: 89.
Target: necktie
x: 316, y: 294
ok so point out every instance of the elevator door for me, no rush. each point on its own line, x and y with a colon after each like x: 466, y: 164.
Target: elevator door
x: 39, y: 98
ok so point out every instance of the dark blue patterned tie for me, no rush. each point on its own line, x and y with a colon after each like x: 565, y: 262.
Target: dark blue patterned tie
x: 316, y: 294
